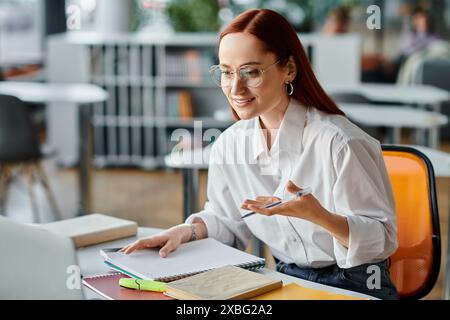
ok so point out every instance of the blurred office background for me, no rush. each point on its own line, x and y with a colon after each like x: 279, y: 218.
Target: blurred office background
x: 150, y: 58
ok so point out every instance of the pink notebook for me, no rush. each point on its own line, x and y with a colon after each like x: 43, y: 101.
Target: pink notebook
x: 107, y: 285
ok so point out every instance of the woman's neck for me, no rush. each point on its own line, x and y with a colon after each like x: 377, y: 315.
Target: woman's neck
x: 271, y: 121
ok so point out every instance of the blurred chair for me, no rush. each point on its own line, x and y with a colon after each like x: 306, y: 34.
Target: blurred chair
x: 414, y: 266
x: 436, y: 72
x: 19, y: 147
x: 411, y: 70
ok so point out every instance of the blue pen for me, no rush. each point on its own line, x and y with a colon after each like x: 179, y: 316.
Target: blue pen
x: 300, y: 193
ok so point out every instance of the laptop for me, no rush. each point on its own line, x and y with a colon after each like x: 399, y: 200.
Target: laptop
x: 36, y: 264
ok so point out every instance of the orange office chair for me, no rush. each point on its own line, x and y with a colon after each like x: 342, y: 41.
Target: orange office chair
x: 415, y: 264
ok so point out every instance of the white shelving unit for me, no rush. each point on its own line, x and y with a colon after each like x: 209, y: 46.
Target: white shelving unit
x: 124, y: 125
x: 182, y: 65
x: 144, y: 75
x: 133, y: 128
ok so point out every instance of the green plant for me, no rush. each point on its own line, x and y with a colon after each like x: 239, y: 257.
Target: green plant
x: 298, y: 12
x: 136, y: 15
x: 194, y: 15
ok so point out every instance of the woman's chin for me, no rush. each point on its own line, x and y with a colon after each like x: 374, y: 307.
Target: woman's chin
x: 246, y: 114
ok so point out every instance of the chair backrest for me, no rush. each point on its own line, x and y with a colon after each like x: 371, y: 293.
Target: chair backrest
x: 436, y: 72
x: 415, y: 264
x: 18, y: 135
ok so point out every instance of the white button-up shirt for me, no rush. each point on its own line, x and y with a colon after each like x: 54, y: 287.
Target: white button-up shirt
x: 341, y: 163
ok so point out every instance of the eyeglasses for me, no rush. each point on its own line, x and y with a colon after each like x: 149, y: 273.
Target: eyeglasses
x: 251, y: 76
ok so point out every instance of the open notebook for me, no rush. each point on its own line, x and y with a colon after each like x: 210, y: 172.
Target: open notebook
x: 190, y: 258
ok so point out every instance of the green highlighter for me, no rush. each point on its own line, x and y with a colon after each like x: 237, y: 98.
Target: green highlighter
x: 140, y: 284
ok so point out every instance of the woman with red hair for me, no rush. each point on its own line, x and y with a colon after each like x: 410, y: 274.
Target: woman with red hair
x: 289, y: 133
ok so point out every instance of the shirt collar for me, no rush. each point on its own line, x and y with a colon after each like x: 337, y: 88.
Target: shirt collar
x: 290, y: 134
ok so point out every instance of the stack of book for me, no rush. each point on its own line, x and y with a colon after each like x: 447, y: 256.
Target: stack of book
x: 179, y: 105
x: 92, y: 229
x: 190, y: 65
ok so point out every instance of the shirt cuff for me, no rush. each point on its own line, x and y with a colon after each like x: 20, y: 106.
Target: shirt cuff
x: 210, y: 222
x: 366, y: 243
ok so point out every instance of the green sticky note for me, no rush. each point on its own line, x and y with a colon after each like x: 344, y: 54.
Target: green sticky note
x: 140, y: 284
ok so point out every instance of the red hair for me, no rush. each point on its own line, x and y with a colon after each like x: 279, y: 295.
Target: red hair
x: 281, y: 39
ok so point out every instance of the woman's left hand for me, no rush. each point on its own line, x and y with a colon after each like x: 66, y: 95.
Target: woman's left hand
x: 305, y: 207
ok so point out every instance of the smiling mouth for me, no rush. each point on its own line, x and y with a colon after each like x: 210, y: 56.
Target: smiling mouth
x: 242, y: 102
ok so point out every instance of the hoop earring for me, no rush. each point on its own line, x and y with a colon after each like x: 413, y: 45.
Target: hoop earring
x: 290, y: 88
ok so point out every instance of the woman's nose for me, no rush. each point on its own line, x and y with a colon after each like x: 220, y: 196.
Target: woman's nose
x: 237, y: 86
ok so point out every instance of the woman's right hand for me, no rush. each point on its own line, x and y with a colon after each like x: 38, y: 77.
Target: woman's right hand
x: 168, y: 240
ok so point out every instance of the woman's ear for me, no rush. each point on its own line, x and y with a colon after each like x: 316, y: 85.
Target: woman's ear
x: 292, y: 69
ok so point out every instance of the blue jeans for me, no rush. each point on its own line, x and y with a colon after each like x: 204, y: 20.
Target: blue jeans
x: 353, y: 279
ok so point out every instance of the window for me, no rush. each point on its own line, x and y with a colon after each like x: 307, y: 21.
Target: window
x: 21, y: 32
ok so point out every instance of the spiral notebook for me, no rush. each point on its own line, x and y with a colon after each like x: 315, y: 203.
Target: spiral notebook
x: 107, y: 285
x: 190, y: 258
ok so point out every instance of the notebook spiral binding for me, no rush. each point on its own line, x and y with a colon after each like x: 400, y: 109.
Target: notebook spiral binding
x: 252, y: 266
x: 103, y: 275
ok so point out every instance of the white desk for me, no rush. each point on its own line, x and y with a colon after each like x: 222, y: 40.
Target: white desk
x: 37, y: 92
x: 189, y: 163
x: 395, y: 117
x: 82, y: 95
x: 91, y: 263
x: 421, y: 96
x: 439, y: 159
x: 411, y: 94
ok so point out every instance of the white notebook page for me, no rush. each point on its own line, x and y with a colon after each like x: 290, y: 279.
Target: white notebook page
x: 189, y: 258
